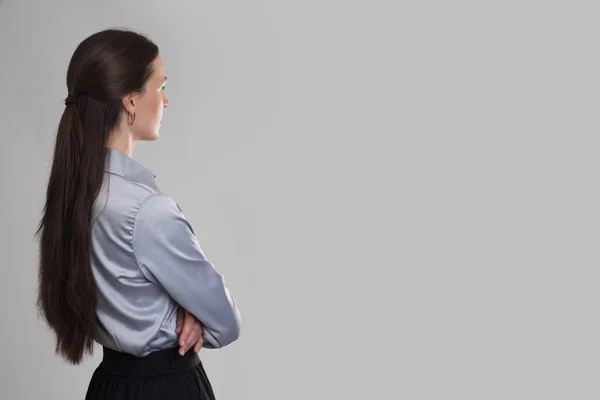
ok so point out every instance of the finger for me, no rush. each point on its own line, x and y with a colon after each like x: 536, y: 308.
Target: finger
x: 188, y: 324
x: 179, y: 320
x: 199, y: 345
x: 195, y: 335
x: 200, y: 341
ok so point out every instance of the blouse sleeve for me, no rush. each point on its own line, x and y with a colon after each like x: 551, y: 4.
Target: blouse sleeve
x: 169, y: 254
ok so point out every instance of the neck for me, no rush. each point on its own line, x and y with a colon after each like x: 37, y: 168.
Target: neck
x: 123, y: 143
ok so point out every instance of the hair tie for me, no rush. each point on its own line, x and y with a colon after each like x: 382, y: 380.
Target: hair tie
x: 71, y: 98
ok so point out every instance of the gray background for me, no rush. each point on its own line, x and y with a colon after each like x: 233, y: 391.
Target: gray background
x: 402, y: 196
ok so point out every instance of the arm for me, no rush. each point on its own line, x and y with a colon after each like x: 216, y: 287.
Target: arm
x: 169, y: 254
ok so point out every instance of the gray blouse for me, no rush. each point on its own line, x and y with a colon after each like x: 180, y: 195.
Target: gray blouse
x: 146, y: 262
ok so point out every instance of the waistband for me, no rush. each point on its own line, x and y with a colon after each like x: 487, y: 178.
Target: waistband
x: 156, y: 363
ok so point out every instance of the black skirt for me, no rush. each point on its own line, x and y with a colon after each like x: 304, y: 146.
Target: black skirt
x: 161, y: 375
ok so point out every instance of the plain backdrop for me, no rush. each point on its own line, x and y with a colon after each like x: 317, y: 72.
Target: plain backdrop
x: 402, y: 196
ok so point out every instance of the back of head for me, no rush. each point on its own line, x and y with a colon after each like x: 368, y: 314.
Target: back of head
x: 104, y: 68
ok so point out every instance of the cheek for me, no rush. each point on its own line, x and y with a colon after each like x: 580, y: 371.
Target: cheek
x: 153, y: 110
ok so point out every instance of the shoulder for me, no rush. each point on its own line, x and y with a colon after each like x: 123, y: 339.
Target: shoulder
x: 120, y: 199
x: 157, y: 212
x: 158, y: 206
x: 160, y: 227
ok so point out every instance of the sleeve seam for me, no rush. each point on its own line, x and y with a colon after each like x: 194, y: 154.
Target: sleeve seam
x: 134, y: 228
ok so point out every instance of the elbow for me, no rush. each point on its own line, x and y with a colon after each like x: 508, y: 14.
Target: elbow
x: 232, y: 332
x: 230, y: 336
x: 226, y: 334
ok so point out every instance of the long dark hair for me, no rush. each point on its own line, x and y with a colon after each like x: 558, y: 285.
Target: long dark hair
x: 104, y: 67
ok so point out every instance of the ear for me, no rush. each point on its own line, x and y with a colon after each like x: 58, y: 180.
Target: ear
x: 129, y: 102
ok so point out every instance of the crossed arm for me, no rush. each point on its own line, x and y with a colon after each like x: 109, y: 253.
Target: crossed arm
x: 169, y: 255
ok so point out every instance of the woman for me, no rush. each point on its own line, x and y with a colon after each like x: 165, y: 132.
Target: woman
x: 118, y: 259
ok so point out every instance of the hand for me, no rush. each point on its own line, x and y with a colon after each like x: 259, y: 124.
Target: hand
x: 190, y: 331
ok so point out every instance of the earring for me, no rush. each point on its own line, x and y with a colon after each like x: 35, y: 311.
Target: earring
x: 131, y: 120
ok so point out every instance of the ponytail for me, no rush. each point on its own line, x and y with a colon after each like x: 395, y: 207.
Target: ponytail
x: 67, y: 291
